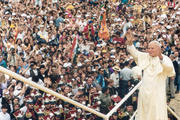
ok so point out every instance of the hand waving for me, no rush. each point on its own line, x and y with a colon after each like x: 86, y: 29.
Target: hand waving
x: 129, y: 38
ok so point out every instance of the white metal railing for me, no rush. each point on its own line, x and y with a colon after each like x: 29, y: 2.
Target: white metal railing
x: 49, y: 91
x: 124, y: 99
x: 64, y: 98
x: 132, y: 117
x: 127, y: 96
x: 173, y: 113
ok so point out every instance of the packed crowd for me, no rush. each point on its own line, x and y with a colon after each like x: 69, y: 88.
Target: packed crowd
x: 77, y: 48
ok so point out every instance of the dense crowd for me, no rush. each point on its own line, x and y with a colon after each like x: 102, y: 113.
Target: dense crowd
x: 77, y: 48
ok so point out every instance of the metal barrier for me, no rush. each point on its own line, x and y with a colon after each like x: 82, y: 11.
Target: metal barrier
x: 128, y: 95
x: 133, y: 115
x: 49, y: 91
x: 64, y: 98
x: 173, y: 113
x: 124, y: 99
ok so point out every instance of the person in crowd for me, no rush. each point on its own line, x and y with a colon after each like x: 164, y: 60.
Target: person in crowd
x: 172, y: 79
x: 105, y: 100
x: 126, y: 75
x: 3, y: 114
x: 115, y: 76
x: 112, y: 89
x: 176, y: 63
x: 3, y: 62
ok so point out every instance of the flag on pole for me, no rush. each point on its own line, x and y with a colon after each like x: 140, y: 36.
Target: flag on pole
x: 16, y: 34
x: 73, y: 47
x: 74, y: 50
x: 89, y: 30
x: 104, y: 32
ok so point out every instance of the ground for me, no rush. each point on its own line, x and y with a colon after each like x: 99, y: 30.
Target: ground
x: 175, y: 104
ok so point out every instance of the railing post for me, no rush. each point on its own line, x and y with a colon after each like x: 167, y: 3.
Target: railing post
x: 173, y: 113
x: 124, y: 99
x: 133, y: 115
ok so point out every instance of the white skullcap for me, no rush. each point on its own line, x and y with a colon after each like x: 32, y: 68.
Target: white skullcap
x: 156, y: 42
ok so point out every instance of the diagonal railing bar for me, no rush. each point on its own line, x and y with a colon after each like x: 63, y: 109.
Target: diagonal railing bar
x: 64, y: 98
x: 128, y: 95
x: 49, y: 91
x: 173, y: 113
x: 133, y: 115
x: 124, y: 99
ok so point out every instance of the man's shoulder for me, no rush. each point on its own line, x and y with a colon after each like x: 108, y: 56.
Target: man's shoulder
x: 126, y: 69
x: 123, y: 70
x: 1, y: 113
x: 165, y: 57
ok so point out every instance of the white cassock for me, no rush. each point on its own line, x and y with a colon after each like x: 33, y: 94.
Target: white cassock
x: 152, y: 93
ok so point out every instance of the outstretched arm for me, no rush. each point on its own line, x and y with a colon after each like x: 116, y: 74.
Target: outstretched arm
x: 130, y: 47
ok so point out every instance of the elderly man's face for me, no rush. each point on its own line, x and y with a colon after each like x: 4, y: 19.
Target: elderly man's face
x: 153, y: 49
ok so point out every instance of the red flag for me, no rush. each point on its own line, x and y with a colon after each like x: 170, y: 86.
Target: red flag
x: 15, y: 36
x: 119, y: 39
x: 73, y: 47
x: 87, y: 29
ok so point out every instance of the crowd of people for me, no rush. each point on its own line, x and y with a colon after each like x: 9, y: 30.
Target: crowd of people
x: 77, y: 48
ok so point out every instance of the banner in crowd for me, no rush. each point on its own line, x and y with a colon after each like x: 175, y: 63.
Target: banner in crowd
x: 103, y: 32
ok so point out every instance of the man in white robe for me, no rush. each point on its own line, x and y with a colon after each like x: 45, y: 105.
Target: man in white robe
x: 156, y: 67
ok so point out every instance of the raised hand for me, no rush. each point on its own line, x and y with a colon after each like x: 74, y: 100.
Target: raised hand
x: 129, y: 38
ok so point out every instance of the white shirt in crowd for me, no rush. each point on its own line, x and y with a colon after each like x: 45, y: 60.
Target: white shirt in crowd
x: 82, y: 24
x: 21, y: 35
x: 54, y: 1
x: 115, y: 77
x: 126, y: 74
x: 43, y: 35
x: 40, y: 82
x: 5, y: 116
x: 84, y: 47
